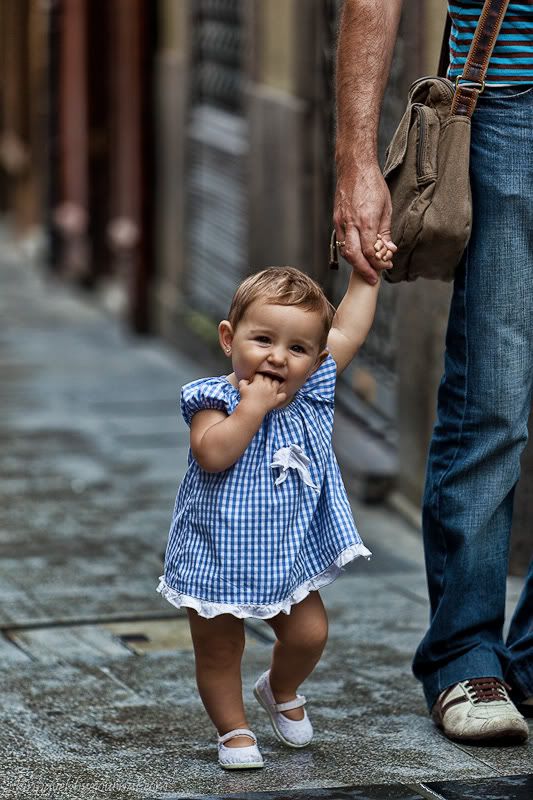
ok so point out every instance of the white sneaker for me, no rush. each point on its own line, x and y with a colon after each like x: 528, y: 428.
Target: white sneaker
x: 239, y: 757
x: 292, y: 732
x: 479, y: 710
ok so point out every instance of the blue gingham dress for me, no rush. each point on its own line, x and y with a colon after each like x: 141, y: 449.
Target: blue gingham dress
x: 258, y: 537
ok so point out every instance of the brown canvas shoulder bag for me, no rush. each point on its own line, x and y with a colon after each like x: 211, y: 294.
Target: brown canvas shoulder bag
x: 427, y: 164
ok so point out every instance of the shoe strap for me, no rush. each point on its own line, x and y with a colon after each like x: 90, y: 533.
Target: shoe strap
x: 237, y: 732
x: 290, y: 704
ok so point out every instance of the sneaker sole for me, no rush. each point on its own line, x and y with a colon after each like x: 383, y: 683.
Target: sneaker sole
x: 273, y: 723
x: 509, y: 737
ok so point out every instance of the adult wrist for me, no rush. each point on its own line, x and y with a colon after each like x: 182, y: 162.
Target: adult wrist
x: 355, y: 159
x: 354, y: 138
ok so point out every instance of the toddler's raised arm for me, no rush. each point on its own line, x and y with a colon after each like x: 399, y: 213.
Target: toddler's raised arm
x: 353, y: 320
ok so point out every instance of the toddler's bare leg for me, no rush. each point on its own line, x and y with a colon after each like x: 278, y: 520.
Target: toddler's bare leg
x: 301, y: 638
x: 218, y: 647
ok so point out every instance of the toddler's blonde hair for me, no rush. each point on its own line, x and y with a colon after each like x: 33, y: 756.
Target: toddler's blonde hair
x: 284, y: 286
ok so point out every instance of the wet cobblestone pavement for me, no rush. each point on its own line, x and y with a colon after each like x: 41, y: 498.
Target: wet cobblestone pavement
x: 96, y: 669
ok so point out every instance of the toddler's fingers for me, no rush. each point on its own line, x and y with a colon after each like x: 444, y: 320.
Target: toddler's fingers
x: 385, y: 237
x: 380, y: 248
x: 387, y: 253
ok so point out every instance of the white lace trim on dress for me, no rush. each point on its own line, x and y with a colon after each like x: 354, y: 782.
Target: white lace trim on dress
x: 208, y: 609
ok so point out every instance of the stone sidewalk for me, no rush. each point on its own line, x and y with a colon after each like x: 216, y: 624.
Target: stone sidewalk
x: 96, y: 669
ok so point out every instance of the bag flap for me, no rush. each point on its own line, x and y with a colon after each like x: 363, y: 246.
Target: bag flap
x: 437, y: 93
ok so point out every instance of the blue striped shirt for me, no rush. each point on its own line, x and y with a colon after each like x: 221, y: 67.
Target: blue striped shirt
x: 512, y: 59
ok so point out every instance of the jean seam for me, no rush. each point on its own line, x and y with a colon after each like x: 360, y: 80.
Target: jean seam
x: 516, y: 94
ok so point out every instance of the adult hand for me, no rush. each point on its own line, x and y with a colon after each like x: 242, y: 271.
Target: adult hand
x: 362, y: 219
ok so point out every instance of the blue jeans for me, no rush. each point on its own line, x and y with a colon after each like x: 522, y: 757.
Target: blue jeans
x: 483, y: 407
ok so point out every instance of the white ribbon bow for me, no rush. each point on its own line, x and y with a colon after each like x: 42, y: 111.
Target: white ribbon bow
x: 293, y: 456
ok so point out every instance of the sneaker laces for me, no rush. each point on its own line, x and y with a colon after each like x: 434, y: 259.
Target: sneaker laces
x: 487, y: 690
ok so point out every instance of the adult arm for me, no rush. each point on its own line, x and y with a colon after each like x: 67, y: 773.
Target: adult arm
x: 368, y: 30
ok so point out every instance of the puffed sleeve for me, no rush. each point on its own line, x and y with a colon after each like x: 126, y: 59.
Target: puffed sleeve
x: 320, y: 387
x: 206, y: 393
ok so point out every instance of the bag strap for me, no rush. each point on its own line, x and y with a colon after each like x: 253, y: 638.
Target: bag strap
x: 477, y: 62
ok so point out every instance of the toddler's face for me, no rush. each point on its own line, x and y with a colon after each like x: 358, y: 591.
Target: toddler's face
x: 276, y: 340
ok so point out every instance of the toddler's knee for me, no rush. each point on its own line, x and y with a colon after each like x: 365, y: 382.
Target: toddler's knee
x: 321, y: 635
x: 311, y: 638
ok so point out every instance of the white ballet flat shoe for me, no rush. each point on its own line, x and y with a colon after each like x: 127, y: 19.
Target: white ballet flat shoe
x: 292, y: 732
x: 239, y: 757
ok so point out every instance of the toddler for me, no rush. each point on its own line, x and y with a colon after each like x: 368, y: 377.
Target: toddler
x: 262, y: 519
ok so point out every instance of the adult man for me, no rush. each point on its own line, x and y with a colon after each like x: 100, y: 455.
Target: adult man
x: 486, y: 391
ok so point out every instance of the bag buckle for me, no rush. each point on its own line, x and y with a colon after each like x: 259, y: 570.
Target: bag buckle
x: 470, y: 84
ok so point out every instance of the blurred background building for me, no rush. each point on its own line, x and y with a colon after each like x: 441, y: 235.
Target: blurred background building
x: 154, y: 152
